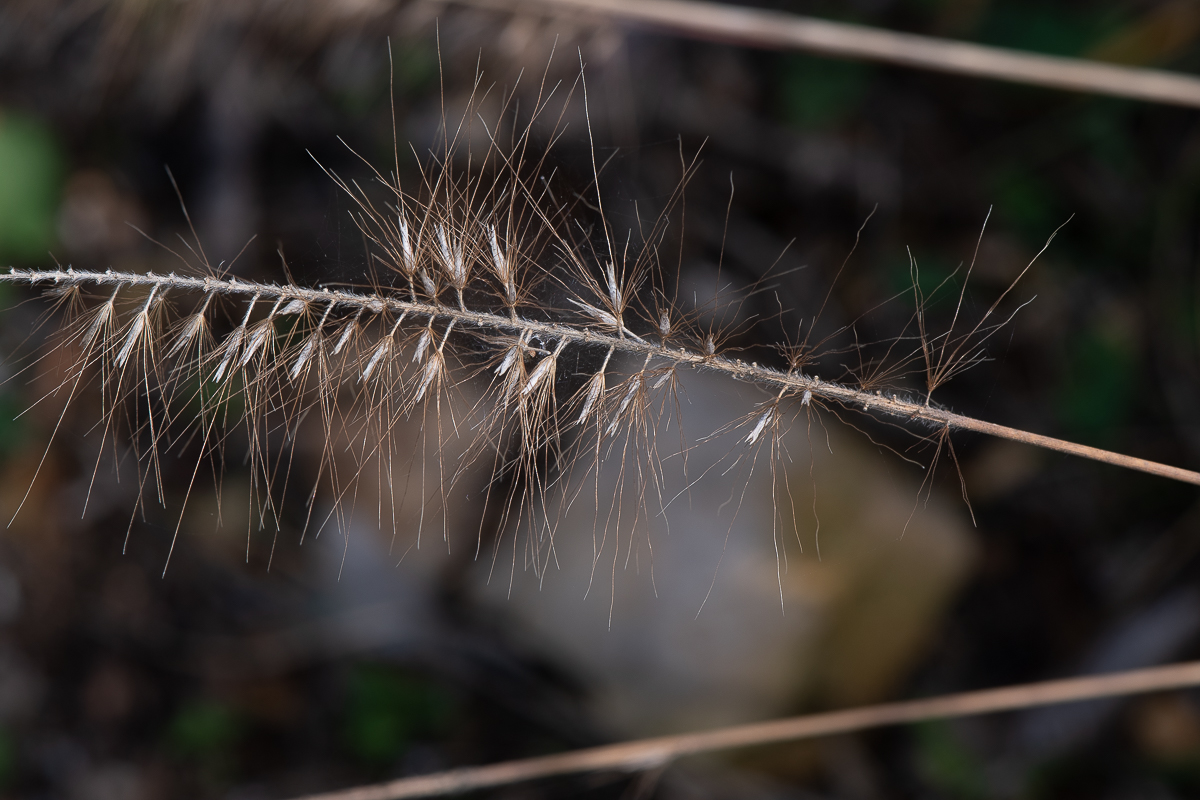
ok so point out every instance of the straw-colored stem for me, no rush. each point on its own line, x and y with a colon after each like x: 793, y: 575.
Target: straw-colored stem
x: 649, y: 753
x: 757, y: 27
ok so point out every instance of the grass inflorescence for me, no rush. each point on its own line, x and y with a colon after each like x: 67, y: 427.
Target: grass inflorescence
x: 500, y: 315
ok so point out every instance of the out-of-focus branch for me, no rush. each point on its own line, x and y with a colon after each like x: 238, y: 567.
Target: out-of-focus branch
x: 648, y: 753
x: 756, y: 27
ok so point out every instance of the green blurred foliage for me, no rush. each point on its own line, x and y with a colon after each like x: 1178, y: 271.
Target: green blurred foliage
x: 934, y: 275
x: 360, y: 87
x: 388, y: 709
x: 8, y: 758
x: 1103, y: 127
x: 820, y: 92
x: 31, y: 176
x: 204, y: 731
x: 1181, y: 774
x: 947, y: 764
x: 1027, y: 202
x: 1097, y: 384
x: 1049, y: 28
x: 415, y: 67
x: 13, y: 431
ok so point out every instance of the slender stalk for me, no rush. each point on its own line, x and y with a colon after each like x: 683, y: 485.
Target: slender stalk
x: 757, y: 27
x: 644, y: 754
x: 791, y: 383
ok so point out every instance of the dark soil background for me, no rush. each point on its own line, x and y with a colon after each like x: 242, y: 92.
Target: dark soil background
x: 222, y: 679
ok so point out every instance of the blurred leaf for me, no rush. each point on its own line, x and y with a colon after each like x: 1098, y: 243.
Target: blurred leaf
x: 1104, y: 126
x: 1028, y: 202
x: 415, y: 67
x: 1046, y: 28
x: 933, y: 274
x: 8, y: 758
x: 820, y: 92
x: 1097, y: 385
x: 1183, y: 775
x: 31, y: 175
x: 947, y: 764
x: 358, y: 77
x: 13, y: 431
x: 388, y: 709
x: 204, y: 730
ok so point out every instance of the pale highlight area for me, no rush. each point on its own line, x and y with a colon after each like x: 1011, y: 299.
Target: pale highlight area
x: 675, y: 657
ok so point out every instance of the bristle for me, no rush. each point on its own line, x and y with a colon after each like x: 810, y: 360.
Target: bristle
x: 764, y: 419
x: 191, y: 329
x: 614, y: 289
x: 137, y: 329
x: 232, y: 344
x: 434, y: 366
x: 423, y: 344
x: 383, y: 349
x: 513, y: 354
x: 593, y: 392
x: 632, y: 387
x: 428, y: 284
x: 101, y: 322
x: 306, y: 352
x: 503, y: 269
x: 312, y: 345
x: 545, y: 367
x: 408, y: 261
x: 260, y: 335
x: 598, y: 314
x: 347, y: 331
x: 230, y: 347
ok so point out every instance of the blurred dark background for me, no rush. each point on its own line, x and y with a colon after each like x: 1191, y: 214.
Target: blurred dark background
x: 337, y: 666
